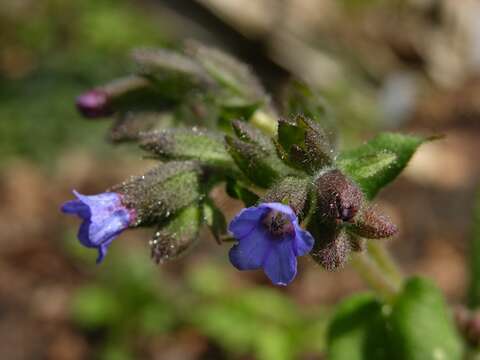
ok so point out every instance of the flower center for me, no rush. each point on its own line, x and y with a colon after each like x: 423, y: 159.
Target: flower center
x: 277, y: 223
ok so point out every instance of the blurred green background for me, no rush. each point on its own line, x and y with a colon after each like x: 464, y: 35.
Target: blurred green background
x: 407, y: 65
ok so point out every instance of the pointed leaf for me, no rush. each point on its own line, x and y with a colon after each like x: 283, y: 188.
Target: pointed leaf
x: 379, y: 161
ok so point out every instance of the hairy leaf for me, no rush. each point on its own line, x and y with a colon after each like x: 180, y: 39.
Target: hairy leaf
x: 379, y: 161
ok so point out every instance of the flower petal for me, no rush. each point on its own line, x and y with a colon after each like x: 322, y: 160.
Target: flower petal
x: 84, y: 234
x: 281, y: 263
x: 303, y: 242
x: 250, y: 252
x: 103, y: 229
x: 102, y: 251
x: 285, y: 209
x: 76, y: 207
x: 245, y: 221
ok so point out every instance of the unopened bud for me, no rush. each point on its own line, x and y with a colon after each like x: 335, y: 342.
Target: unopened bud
x: 338, y: 198
x: 104, y: 100
x: 161, y: 192
x: 334, y: 254
x: 290, y: 191
x: 357, y: 244
x: 372, y: 225
x: 94, y: 104
x: 177, y: 236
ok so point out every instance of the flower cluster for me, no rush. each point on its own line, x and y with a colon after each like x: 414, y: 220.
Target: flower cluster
x: 300, y: 197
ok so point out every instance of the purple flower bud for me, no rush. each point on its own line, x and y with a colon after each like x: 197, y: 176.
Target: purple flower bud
x: 94, y: 103
x: 269, y: 237
x: 372, y: 225
x: 338, y: 197
x: 335, y: 254
x: 104, y: 218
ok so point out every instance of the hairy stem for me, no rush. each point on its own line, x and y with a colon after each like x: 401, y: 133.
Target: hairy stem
x: 373, y: 275
x: 385, y: 262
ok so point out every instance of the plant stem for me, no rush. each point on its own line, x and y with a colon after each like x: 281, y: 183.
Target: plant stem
x: 385, y: 262
x: 372, y: 274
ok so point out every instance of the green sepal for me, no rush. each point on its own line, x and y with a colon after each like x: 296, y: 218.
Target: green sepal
x: 128, y: 126
x: 289, y: 134
x: 214, y: 219
x: 301, y: 99
x: 260, y: 166
x: 133, y: 93
x: 246, y: 132
x: 172, y: 73
x: 379, y: 161
x: 332, y: 246
x: 161, y: 192
x: 230, y: 74
x: 177, y: 235
x: 207, y: 147
x: 237, y: 191
x: 303, y: 144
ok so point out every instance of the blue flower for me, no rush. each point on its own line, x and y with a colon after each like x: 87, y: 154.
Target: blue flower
x: 104, y: 218
x: 269, y: 237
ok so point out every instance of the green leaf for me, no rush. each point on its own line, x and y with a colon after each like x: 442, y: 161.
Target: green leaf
x: 358, y: 330
x: 421, y: 327
x: 474, y: 286
x: 379, y: 161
